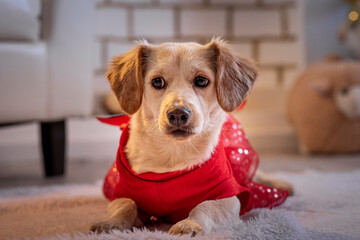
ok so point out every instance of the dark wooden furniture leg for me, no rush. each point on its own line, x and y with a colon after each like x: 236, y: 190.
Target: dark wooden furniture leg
x: 53, y: 147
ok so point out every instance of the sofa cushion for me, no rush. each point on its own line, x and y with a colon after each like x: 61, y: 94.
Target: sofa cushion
x: 23, y: 82
x: 19, y: 20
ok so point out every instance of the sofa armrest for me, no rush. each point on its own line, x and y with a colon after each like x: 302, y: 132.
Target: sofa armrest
x: 70, y: 47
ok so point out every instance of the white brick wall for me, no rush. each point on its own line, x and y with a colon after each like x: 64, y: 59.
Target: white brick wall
x: 290, y: 76
x: 279, y: 53
x: 267, y: 79
x: 182, y: 1
x: 132, y: 1
x: 293, y: 23
x: 153, y: 23
x: 98, y: 64
x: 234, y: 1
x: 253, y: 27
x: 202, y: 22
x: 277, y: 1
x: 264, y: 101
x: 244, y: 49
x: 115, y: 49
x: 111, y: 22
x: 250, y: 23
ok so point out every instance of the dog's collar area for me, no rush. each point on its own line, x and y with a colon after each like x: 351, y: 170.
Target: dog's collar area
x: 117, y: 120
x: 160, y: 177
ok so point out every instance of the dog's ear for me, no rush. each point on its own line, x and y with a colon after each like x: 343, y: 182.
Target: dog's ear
x: 234, y: 75
x: 126, y: 77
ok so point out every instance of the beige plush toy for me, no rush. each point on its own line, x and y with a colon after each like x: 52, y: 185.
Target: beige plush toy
x: 324, y: 107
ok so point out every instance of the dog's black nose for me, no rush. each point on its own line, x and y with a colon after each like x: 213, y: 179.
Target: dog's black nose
x: 179, y: 116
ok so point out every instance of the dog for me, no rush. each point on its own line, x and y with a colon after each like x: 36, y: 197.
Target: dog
x: 178, y: 96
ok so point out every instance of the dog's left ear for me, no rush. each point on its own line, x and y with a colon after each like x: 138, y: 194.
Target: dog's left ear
x: 234, y: 75
x: 126, y: 77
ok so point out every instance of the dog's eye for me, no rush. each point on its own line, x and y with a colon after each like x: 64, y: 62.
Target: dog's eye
x: 201, y: 82
x: 158, y: 83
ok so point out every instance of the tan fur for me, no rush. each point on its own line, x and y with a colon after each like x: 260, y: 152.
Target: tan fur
x: 150, y: 147
x: 230, y: 76
x: 122, y: 215
x: 235, y: 76
x: 125, y: 77
x: 209, y: 215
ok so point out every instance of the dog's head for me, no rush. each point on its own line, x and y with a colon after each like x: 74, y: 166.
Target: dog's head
x: 180, y: 87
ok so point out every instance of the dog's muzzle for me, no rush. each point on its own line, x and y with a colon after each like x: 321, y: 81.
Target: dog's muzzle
x: 179, y: 121
x: 179, y: 117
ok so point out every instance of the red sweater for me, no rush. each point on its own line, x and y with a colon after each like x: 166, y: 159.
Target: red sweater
x: 173, y: 195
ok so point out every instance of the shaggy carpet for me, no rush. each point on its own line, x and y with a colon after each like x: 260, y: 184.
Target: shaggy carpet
x: 325, y: 206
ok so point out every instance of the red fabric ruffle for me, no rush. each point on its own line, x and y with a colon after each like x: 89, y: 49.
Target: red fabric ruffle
x: 234, y: 147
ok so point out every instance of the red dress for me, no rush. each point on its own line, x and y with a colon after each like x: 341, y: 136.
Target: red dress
x: 171, y: 196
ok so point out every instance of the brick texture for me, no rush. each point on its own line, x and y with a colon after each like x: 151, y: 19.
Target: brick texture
x: 280, y: 53
x: 115, y: 49
x: 202, y: 22
x: 293, y: 21
x: 98, y: 61
x: 265, y: 30
x: 266, y: 79
x: 111, y: 22
x: 258, y: 23
x: 131, y: 1
x: 290, y: 77
x: 243, y: 49
x: 153, y: 23
x: 277, y: 1
x: 181, y: 1
x: 233, y: 1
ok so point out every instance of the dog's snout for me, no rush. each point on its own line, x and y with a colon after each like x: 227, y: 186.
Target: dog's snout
x: 179, y: 117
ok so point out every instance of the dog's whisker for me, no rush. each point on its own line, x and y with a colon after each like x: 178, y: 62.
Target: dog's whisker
x: 152, y: 128
x: 215, y: 123
x: 153, y: 125
x: 192, y: 145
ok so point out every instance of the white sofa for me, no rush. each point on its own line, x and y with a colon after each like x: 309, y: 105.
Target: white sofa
x: 46, y: 68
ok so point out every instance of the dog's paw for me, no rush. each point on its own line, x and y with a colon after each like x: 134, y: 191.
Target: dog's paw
x: 107, y: 226
x: 186, y: 226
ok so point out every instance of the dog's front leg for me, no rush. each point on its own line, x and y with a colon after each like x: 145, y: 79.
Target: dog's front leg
x: 122, y: 215
x: 209, y: 215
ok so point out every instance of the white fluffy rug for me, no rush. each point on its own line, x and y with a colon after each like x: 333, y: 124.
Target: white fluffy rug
x: 325, y: 206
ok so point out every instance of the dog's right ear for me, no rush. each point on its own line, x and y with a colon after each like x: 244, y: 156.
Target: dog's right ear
x: 126, y: 77
x: 234, y: 75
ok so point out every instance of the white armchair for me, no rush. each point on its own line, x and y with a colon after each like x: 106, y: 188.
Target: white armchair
x: 49, y: 78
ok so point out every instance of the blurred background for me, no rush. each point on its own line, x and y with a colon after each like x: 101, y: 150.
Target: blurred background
x: 54, y: 56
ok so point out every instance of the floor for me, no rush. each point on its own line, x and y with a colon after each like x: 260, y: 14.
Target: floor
x: 80, y: 171
x: 92, y: 148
